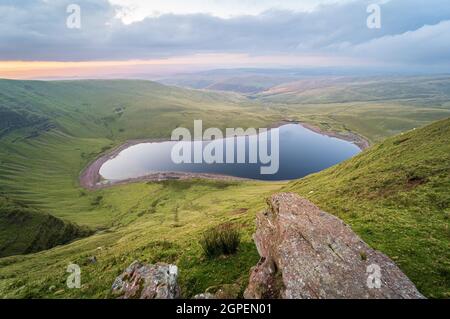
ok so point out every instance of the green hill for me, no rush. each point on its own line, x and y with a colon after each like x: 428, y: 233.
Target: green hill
x: 51, y: 130
x: 396, y: 196
x: 24, y: 230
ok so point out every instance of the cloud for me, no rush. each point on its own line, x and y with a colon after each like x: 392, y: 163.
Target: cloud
x: 138, y: 10
x: 428, y: 44
x: 413, y: 31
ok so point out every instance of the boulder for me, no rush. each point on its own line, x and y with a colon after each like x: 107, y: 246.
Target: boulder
x: 145, y: 281
x: 307, y: 253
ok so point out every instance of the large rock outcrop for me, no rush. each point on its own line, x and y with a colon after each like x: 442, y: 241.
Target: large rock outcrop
x: 144, y: 281
x: 307, y: 253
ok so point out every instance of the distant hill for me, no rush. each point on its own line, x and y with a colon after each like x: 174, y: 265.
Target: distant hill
x: 107, y: 108
x: 239, y: 81
x: 417, y: 90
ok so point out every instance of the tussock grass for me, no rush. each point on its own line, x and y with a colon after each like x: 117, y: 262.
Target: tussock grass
x: 220, y: 240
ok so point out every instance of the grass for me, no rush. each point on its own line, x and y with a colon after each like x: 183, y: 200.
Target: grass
x: 51, y: 130
x: 396, y: 196
x: 375, y: 107
x: 24, y: 230
x: 149, y: 231
x: 87, y: 124
x: 221, y: 240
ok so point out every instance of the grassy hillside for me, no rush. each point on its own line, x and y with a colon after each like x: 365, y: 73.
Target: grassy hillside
x: 396, y: 196
x: 51, y: 130
x: 375, y: 107
x: 24, y: 230
x: 156, y: 222
x: 64, y: 125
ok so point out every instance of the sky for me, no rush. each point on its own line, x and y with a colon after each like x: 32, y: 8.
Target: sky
x: 125, y: 38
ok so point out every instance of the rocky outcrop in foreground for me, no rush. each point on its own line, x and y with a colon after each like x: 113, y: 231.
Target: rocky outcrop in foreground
x: 307, y: 253
x: 144, y: 281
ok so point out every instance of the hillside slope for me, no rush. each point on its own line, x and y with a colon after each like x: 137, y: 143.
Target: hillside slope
x: 49, y: 131
x: 396, y: 196
x: 375, y: 107
x: 391, y: 194
x: 24, y: 230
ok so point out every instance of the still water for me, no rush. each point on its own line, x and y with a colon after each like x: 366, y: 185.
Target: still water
x: 301, y: 152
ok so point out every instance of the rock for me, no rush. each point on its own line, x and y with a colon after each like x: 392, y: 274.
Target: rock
x: 145, y: 281
x: 307, y: 253
x: 92, y: 260
x: 227, y: 291
x: 205, y: 295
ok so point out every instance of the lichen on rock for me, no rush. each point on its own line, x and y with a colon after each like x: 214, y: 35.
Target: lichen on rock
x: 145, y: 281
x: 307, y: 253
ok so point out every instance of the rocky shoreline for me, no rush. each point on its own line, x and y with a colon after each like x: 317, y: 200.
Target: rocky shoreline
x: 91, y: 179
x: 352, y: 137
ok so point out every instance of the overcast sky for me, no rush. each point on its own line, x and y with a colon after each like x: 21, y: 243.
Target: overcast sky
x: 413, y: 32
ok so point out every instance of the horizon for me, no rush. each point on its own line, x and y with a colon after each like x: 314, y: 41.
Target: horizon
x: 133, y: 39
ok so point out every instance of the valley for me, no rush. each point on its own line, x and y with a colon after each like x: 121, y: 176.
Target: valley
x: 50, y: 131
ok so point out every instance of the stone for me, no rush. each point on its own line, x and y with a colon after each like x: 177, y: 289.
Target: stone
x: 226, y: 291
x: 146, y: 281
x: 205, y: 295
x: 92, y: 259
x: 308, y: 253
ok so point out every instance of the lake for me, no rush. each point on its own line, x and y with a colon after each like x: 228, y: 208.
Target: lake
x: 302, y: 152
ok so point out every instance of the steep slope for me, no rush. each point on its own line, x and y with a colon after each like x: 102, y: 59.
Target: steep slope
x: 156, y: 222
x: 307, y: 253
x: 24, y: 230
x: 396, y: 196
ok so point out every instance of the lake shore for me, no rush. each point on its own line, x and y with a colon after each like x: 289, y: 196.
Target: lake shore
x: 352, y: 137
x: 91, y: 179
x: 349, y: 136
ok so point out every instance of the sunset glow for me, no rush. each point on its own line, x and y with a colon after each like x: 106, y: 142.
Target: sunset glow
x: 155, y: 67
